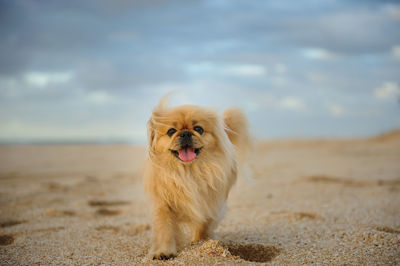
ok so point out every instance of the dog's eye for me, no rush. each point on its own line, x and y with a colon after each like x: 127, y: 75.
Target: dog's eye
x: 199, y: 129
x: 171, y: 132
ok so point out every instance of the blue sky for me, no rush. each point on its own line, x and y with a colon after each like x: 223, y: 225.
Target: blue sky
x: 93, y: 70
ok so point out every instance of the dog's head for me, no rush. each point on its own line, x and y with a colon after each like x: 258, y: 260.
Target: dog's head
x: 184, y: 134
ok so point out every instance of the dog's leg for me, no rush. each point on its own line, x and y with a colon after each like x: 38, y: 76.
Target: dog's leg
x: 203, y: 231
x: 164, y: 227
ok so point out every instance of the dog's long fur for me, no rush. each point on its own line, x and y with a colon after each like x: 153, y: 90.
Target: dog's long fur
x: 192, y: 194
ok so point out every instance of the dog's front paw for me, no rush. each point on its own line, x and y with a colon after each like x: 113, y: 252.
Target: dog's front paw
x: 163, y: 254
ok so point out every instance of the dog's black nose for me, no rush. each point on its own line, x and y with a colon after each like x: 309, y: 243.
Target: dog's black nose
x: 185, y: 134
x: 186, y: 138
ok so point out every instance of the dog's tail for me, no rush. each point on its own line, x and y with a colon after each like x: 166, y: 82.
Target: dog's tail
x: 237, y: 129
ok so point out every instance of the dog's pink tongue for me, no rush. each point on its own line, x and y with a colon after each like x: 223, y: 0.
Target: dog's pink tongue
x: 187, y: 155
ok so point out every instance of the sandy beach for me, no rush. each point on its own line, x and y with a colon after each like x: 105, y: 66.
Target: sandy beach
x: 298, y: 202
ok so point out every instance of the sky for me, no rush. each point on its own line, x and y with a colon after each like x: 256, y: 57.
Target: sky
x: 94, y: 70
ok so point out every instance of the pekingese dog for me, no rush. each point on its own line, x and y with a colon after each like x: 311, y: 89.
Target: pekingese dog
x: 191, y: 166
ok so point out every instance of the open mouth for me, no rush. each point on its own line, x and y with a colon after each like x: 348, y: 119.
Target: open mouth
x: 187, y: 154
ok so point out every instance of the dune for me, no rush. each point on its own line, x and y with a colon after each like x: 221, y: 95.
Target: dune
x: 297, y: 202
x: 393, y: 135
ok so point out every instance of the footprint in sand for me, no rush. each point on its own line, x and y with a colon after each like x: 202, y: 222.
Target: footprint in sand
x: 294, y: 216
x: 107, y: 212
x: 57, y: 213
x: 103, y: 203
x: 8, y: 223
x: 6, y: 240
x: 336, y: 180
x: 349, y: 182
x: 252, y: 252
x: 108, y: 228
x: 50, y: 229
x: 100, y: 203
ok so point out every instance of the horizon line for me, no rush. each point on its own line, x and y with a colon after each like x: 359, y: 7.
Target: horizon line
x: 131, y: 141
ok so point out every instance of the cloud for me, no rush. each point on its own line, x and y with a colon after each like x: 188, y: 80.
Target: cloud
x: 393, y: 11
x: 336, y: 110
x: 233, y: 69
x: 292, y: 103
x: 396, y: 52
x: 99, y: 97
x: 388, y: 90
x: 280, y: 68
x: 42, y: 79
x: 319, y: 54
x: 345, y: 30
x: 317, y: 77
x: 245, y: 70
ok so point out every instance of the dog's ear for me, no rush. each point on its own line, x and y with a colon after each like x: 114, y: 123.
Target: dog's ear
x: 155, y: 118
x: 151, y: 132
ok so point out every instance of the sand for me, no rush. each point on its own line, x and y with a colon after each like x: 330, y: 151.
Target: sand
x: 298, y: 202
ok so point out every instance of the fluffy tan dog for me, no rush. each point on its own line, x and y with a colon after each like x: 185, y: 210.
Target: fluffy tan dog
x: 192, y: 165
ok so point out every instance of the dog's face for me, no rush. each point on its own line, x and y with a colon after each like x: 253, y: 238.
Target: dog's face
x: 183, y: 134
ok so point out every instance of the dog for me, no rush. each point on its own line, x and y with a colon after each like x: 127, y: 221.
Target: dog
x: 192, y: 163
